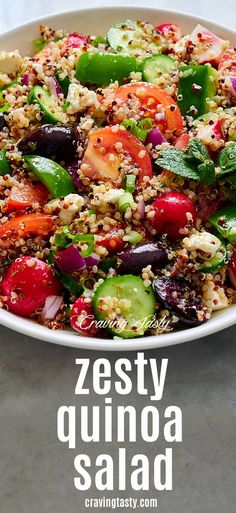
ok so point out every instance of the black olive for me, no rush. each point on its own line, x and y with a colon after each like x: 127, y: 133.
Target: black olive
x: 138, y: 257
x: 179, y: 299
x: 58, y: 142
x: 3, y: 123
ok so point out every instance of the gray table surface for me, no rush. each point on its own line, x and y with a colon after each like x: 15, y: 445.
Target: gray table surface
x: 36, y: 378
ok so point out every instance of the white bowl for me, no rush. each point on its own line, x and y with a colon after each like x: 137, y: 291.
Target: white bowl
x: 97, y: 21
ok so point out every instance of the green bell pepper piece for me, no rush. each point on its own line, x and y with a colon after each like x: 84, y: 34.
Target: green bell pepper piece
x: 87, y: 239
x: 5, y: 168
x: 52, y: 175
x: 197, y: 85
x: 63, y: 82
x: 224, y: 220
x: 103, y: 68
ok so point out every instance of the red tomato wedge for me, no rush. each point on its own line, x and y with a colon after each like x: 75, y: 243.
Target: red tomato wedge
x: 106, y: 150
x: 182, y: 141
x: 25, y: 195
x: 228, y: 61
x: 150, y: 97
x: 112, y: 240
x: 24, y: 226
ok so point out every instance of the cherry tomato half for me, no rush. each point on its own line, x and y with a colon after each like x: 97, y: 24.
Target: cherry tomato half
x: 82, y: 318
x: 27, y: 284
x: 171, y: 214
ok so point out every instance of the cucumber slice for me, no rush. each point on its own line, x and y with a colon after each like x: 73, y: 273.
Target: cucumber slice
x: 40, y: 96
x: 130, y: 37
x: 134, y: 317
x: 216, y: 262
x: 122, y: 35
x: 157, y: 65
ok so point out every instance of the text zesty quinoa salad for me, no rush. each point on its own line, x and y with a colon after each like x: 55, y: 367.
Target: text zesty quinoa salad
x: 118, y: 179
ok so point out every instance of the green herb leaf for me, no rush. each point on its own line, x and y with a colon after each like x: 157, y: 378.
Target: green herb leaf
x: 174, y: 160
x: 206, y: 172
x: 193, y: 164
x: 105, y: 265
x: 63, y: 238
x: 99, y: 40
x: 39, y: 44
x: 197, y: 150
x: 70, y: 284
x: 227, y: 159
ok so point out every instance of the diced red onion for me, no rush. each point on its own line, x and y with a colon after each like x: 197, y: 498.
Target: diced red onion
x: 54, y: 87
x: 154, y: 137
x: 70, y: 260
x: 51, y: 307
x: 25, y: 79
x: 233, y: 85
x: 232, y: 277
x: 72, y: 168
x: 141, y: 209
x: 92, y: 260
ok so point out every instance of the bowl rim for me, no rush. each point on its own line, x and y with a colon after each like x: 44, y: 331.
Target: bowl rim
x: 72, y: 339
x: 118, y: 7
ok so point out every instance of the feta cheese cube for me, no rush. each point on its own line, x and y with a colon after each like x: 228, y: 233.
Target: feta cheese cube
x: 202, y: 241
x: 80, y: 98
x: 10, y: 62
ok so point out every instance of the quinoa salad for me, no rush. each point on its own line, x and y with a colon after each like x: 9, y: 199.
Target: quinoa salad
x: 118, y: 179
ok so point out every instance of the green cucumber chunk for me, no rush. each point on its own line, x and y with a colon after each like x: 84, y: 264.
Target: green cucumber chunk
x: 155, y: 66
x: 224, y: 220
x: 104, y: 68
x: 136, y: 312
x: 122, y: 36
x: 216, y: 262
x: 44, y: 100
x: 197, y: 85
x: 52, y: 175
x: 5, y: 168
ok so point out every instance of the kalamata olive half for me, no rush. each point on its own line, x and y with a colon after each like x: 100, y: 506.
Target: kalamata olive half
x: 58, y: 142
x: 3, y: 123
x: 138, y: 257
x: 179, y: 299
